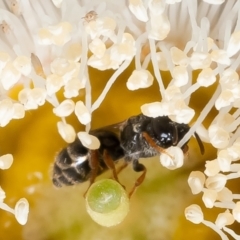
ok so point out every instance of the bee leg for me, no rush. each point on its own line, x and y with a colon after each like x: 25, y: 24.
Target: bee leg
x: 138, y: 167
x: 154, y: 145
x: 94, y: 165
x: 185, y: 149
x: 110, y: 164
x: 121, y: 167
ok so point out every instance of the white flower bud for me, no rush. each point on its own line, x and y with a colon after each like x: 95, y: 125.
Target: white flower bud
x: 72, y: 87
x: 6, y: 112
x: 206, y: 77
x: 6, y: 161
x: 225, y: 195
x: 156, y: 7
x: 154, y: 109
x: 4, y: 58
x: 225, y: 98
x: 200, y: 60
x: 196, y: 181
x: 224, y: 219
x: 2, y: 195
x: 236, y: 212
x: 38, y: 95
x: 97, y: 47
x: 10, y: 76
x: 65, y: 108
x: 209, y: 197
x: 53, y: 83
x: 216, y: 182
x: 194, y: 214
x: 160, y: 27
x: 212, y: 168
x: 220, y: 56
x: 174, y: 160
x: 229, y: 79
x: 184, y: 115
x: 224, y: 160
x: 180, y: 75
x: 73, y: 52
x: 19, y: 111
x: 82, y: 113
x: 140, y: 79
x: 66, y: 131
x: 138, y: 9
x: 88, y: 141
x: 162, y: 62
x: 23, y: 65
x: 21, y: 211
x: 233, y: 44
x: 64, y: 68
x: 219, y: 137
x: 179, y: 57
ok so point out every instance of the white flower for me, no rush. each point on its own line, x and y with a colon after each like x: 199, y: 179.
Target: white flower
x: 21, y: 211
x: 6, y: 161
x: 88, y: 141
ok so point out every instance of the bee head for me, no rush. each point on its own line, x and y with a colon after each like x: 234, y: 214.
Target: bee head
x: 167, y: 132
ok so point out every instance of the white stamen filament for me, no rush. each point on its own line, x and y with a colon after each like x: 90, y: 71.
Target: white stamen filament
x: 155, y: 67
x: 201, y: 117
x: 231, y: 233
x: 111, y: 81
x: 216, y: 229
x: 228, y: 205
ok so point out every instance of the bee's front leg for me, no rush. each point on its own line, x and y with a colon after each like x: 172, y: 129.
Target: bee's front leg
x: 154, y: 145
x: 138, y: 167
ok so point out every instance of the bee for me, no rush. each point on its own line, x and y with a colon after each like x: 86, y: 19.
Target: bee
x: 137, y: 137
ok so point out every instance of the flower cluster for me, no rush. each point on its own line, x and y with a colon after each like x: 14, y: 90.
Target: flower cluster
x: 22, y: 206
x: 47, y: 47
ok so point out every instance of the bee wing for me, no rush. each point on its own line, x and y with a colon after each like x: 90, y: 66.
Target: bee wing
x: 37, y: 65
x: 114, y: 127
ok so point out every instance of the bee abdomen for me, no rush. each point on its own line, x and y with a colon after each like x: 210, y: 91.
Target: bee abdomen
x: 67, y: 172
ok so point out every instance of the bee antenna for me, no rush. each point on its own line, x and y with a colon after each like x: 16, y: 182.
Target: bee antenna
x: 175, y: 135
x: 200, y: 143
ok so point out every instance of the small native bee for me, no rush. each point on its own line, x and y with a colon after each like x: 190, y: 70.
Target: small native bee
x: 138, y: 137
x: 90, y: 16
